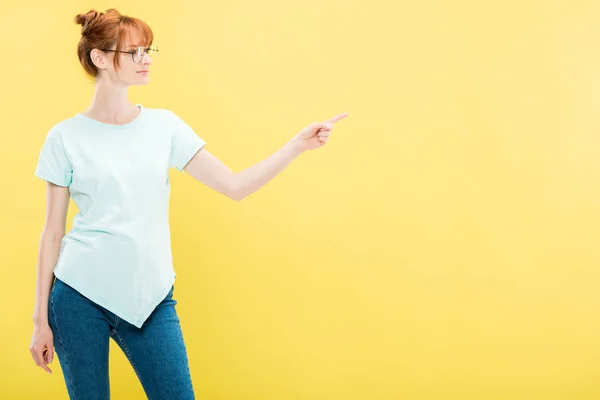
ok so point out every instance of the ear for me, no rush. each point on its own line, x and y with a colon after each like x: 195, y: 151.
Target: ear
x: 99, y: 59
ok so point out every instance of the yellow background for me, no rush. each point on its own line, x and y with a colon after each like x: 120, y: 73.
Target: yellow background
x: 443, y: 245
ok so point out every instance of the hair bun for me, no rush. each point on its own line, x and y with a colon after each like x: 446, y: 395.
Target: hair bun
x: 86, y: 20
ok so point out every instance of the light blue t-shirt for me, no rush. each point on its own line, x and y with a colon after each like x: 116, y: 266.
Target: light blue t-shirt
x: 118, y: 251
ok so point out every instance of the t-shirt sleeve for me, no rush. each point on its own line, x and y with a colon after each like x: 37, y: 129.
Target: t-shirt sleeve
x: 53, y: 164
x: 184, y: 142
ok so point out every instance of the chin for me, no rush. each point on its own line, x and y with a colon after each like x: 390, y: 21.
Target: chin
x: 141, y: 82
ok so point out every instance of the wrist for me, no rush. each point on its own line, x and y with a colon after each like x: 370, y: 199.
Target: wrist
x: 39, y: 321
x: 296, y: 146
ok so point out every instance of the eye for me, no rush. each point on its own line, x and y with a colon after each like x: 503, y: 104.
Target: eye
x: 138, y: 53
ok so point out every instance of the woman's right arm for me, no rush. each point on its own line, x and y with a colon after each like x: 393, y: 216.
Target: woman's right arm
x: 57, y: 204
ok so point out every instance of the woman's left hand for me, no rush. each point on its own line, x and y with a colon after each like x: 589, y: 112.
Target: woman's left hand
x: 316, y: 134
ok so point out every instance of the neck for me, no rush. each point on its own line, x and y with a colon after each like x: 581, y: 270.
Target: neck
x: 111, y: 103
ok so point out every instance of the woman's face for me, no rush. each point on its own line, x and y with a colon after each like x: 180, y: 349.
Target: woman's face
x: 134, y: 63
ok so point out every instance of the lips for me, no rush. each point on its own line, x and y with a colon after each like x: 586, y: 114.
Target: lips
x: 141, y: 72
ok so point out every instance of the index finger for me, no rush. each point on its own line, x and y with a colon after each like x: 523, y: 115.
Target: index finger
x: 337, y: 118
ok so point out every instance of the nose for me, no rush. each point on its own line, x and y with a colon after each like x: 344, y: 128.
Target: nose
x: 146, y: 60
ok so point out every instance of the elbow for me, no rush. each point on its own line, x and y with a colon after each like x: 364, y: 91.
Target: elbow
x: 236, y: 194
x: 52, y: 235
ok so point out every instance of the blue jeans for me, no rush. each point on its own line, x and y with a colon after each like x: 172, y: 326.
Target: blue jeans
x: 82, y: 329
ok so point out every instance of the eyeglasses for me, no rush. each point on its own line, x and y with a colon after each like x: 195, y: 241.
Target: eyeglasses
x: 137, y: 54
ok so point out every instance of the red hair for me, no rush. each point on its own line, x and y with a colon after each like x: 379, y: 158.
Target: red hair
x: 101, y: 30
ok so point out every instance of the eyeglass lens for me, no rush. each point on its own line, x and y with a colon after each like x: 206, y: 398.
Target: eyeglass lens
x: 138, y: 53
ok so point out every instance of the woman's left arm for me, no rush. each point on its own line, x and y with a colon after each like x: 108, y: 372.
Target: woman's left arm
x: 209, y: 170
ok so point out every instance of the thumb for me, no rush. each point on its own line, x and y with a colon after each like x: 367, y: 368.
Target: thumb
x: 311, y: 130
x: 324, y: 126
x: 50, y: 354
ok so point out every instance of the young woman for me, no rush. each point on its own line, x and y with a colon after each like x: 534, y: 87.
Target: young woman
x: 111, y: 275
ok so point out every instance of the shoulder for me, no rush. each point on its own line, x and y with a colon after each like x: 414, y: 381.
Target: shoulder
x: 159, y: 112
x: 61, y: 130
x: 162, y: 117
x: 167, y: 118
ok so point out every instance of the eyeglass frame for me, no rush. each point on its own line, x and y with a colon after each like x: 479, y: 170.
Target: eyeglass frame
x: 153, y: 48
